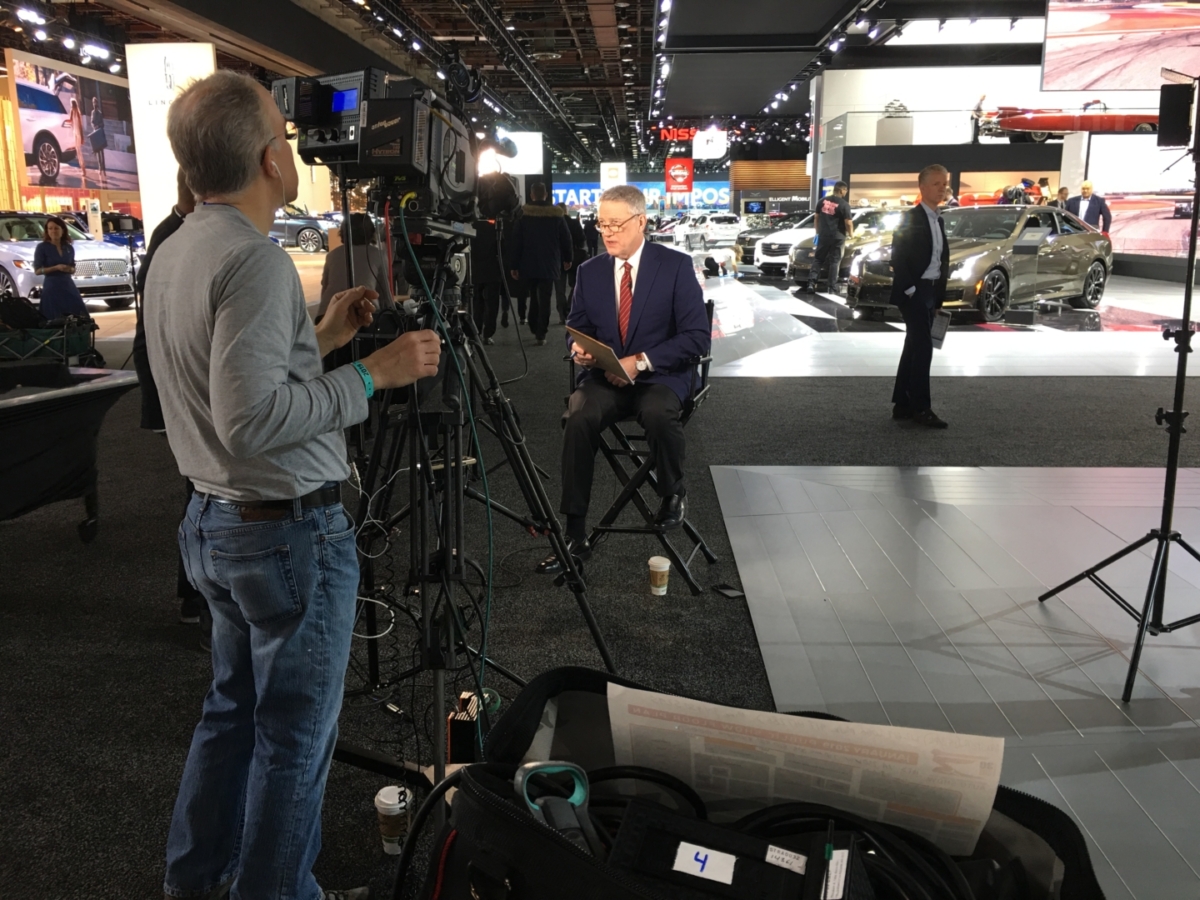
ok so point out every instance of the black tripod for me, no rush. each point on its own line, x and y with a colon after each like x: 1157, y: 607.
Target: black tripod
x: 1150, y: 616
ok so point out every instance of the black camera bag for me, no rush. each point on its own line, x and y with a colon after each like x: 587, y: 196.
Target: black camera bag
x: 492, y: 849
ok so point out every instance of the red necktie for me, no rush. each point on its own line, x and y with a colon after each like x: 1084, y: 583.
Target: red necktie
x: 626, y: 301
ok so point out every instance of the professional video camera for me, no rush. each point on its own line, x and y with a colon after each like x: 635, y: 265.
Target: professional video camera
x: 369, y: 124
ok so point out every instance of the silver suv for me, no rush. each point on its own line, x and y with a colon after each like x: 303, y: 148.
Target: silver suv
x: 102, y: 270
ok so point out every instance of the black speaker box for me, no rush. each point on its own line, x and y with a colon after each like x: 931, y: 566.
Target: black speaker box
x: 1175, y: 115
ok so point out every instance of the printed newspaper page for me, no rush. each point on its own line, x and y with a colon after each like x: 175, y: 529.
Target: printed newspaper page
x: 937, y: 784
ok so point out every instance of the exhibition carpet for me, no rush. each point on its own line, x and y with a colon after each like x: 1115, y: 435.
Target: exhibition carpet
x: 102, y: 687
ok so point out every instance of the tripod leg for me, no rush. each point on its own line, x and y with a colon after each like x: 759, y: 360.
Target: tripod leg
x: 1157, y: 576
x: 1120, y: 554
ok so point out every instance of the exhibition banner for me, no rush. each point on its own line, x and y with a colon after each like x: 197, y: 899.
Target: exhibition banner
x: 679, y: 175
x: 1118, y: 46
x: 704, y: 195
x: 74, y: 125
x: 158, y: 72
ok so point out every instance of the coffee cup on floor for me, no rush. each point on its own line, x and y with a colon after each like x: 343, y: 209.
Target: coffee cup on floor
x: 394, y: 807
x: 660, y: 569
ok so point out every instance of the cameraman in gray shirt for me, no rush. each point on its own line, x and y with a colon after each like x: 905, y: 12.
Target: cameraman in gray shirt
x: 257, y: 427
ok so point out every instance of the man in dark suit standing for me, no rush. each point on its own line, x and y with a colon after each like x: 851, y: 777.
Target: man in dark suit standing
x: 541, y: 252
x: 644, y: 301
x: 1091, y: 208
x: 920, y: 269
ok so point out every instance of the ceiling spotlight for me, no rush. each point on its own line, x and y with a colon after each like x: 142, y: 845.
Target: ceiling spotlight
x: 666, y: 69
x: 85, y: 59
x: 666, y: 5
x: 397, y: 32
x: 115, y: 68
x: 510, y: 27
x: 40, y: 35
x: 874, y: 32
x: 662, y: 38
x: 28, y: 15
x: 774, y: 104
x: 69, y: 43
x: 441, y: 74
x: 93, y: 50
x: 416, y: 45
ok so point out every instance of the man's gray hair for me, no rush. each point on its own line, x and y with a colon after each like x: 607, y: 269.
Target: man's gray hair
x: 219, y: 130
x: 629, y: 195
x: 924, y: 174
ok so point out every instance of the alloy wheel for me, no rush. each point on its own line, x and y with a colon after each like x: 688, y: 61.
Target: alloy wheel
x: 47, y: 159
x: 1039, y: 137
x: 309, y: 240
x: 7, y: 285
x: 1093, y: 285
x: 993, y: 297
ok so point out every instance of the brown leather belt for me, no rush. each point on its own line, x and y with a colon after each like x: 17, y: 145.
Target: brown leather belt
x: 271, y: 510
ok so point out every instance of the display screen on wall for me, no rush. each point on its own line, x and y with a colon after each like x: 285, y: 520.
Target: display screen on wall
x: 704, y: 194
x: 75, y: 125
x: 1111, y: 46
x: 1147, y: 189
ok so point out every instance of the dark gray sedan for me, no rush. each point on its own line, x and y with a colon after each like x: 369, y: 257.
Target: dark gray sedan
x: 1071, y: 263
x: 295, y: 227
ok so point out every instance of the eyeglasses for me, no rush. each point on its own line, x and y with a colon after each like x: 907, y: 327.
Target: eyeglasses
x: 614, y: 227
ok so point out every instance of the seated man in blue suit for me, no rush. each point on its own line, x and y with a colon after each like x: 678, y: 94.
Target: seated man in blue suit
x: 644, y: 301
x: 1091, y: 208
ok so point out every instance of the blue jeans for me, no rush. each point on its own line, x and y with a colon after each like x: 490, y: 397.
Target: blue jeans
x: 283, y: 596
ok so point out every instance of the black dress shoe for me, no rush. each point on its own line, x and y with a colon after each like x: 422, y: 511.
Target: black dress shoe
x: 671, y: 512
x: 580, y: 550
x: 504, y: 321
x: 929, y: 419
x: 900, y: 411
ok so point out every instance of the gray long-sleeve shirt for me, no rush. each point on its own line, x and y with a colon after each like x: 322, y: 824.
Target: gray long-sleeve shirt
x: 249, y: 414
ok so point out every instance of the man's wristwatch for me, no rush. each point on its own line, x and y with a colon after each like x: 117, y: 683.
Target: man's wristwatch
x: 643, y: 364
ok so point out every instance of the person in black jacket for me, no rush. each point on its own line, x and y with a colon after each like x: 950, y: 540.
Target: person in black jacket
x: 564, y: 286
x: 1091, y: 208
x: 591, y: 236
x: 488, y: 277
x: 541, y: 251
x: 192, y: 608
x: 920, y: 270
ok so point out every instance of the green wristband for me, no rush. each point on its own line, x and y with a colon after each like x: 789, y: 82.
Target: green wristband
x: 368, y: 381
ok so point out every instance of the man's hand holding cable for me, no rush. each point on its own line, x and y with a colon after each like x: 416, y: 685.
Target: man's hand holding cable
x: 348, y: 311
x: 410, y: 357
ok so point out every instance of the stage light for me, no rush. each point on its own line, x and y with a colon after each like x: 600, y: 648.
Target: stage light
x: 40, y: 35
x: 93, y: 50
x: 69, y: 43
x: 441, y: 74
x: 416, y: 45
x: 29, y: 15
x: 397, y: 32
x: 666, y: 69
x: 115, y: 68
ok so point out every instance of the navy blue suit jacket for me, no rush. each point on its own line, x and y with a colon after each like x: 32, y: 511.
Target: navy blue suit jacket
x: 1097, y: 211
x: 668, y: 321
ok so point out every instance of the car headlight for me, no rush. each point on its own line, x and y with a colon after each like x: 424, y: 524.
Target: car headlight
x: 964, y: 268
x: 23, y: 264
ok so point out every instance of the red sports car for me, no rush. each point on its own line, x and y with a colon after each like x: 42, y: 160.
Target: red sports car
x: 1039, y: 125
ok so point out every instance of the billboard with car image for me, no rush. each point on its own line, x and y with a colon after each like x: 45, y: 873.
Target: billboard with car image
x: 74, y: 126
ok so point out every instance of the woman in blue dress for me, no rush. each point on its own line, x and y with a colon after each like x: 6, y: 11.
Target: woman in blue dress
x: 55, y: 259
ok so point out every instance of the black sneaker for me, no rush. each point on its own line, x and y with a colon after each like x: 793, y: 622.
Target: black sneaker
x: 900, y: 411
x: 189, y: 609
x: 929, y: 419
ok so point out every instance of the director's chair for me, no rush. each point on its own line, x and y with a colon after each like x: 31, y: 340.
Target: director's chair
x: 628, y: 454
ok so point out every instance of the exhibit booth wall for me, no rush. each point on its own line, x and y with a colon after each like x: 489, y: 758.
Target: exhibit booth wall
x: 939, y: 101
x: 582, y: 191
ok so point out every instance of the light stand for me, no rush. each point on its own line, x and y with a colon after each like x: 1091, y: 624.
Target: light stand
x: 1150, y: 616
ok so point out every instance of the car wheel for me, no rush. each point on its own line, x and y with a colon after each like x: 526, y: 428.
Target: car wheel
x: 703, y: 242
x: 1039, y: 137
x: 46, y: 153
x: 993, y: 296
x: 119, y: 302
x: 1144, y: 128
x: 309, y: 240
x: 1093, y: 287
x: 7, y: 285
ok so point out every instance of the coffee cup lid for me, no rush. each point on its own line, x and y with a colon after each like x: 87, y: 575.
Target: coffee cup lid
x: 389, y: 797
x: 660, y: 563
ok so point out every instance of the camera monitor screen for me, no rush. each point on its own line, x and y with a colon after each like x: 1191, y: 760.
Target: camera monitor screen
x: 345, y: 101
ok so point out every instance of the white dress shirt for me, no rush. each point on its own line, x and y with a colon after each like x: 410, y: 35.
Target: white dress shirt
x: 1084, y: 203
x: 934, y: 270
